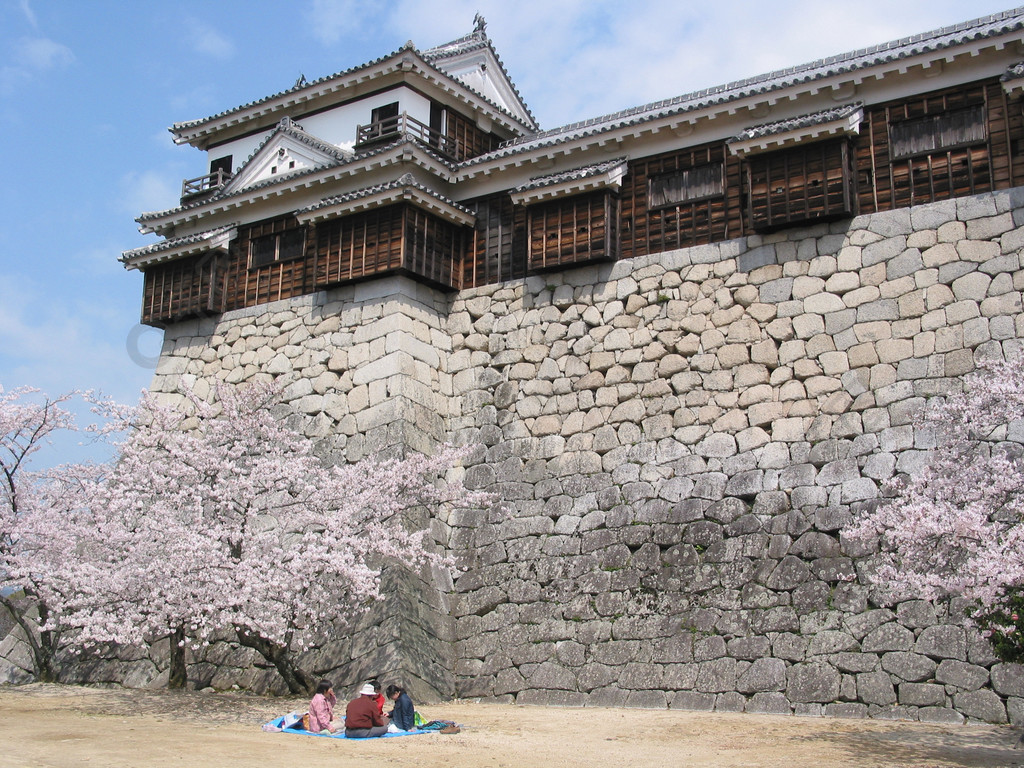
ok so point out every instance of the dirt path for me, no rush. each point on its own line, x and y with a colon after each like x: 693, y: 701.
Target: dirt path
x: 60, y: 727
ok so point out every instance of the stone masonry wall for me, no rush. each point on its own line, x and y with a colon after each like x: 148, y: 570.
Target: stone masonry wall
x: 680, y: 439
x: 677, y: 440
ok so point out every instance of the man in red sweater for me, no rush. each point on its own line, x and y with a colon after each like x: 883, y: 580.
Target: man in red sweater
x: 363, y: 719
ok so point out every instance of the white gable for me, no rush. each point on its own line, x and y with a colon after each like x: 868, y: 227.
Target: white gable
x: 472, y: 61
x: 480, y: 70
x: 283, y: 153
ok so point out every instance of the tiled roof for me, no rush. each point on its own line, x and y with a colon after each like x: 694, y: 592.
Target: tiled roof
x: 296, y: 131
x: 405, y: 180
x: 586, y: 171
x: 978, y: 29
x: 436, y: 55
x: 946, y: 37
x: 803, y: 121
x: 1014, y: 73
x: 301, y: 86
x: 174, y: 242
x: 287, y: 127
x: 474, y: 41
x: 344, y: 159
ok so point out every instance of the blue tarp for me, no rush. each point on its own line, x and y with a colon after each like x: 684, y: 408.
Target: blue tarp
x: 278, y: 723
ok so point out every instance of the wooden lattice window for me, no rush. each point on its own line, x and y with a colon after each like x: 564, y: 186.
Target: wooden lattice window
x: 573, y: 230
x: 805, y: 183
x: 685, y: 186
x: 931, y: 133
x: 182, y: 288
x: 282, y: 246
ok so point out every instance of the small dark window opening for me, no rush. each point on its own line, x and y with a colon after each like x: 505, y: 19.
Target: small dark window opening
x: 387, y: 112
x: 931, y: 133
x: 383, y: 121
x: 221, y: 164
x: 283, y: 246
x: 692, y: 184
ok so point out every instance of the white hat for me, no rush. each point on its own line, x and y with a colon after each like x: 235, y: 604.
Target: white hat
x: 367, y: 690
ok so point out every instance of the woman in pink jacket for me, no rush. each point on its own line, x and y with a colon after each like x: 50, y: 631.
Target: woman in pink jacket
x: 321, y: 709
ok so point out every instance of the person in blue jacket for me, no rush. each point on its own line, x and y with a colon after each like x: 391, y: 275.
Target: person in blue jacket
x: 403, y: 716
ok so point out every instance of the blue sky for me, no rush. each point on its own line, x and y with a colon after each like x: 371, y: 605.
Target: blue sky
x: 88, y: 88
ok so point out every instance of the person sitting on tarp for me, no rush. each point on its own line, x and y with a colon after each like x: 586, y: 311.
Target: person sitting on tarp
x: 379, y: 694
x: 362, y: 718
x: 403, y: 716
x: 321, y: 709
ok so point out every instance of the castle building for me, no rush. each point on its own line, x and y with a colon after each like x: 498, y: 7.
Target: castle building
x: 688, y: 341
x: 430, y: 164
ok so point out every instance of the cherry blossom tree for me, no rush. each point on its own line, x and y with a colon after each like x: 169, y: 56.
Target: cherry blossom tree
x: 219, y: 517
x: 28, y: 422
x: 956, y: 527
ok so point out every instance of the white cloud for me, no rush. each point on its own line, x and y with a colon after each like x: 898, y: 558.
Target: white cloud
x: 62, y: 345
x: 40, y: 54
x: 202, y: 98
x: 32, y: 56
x: 332, y: 20
x: 30, y: 15
x: 11, y: 78
x: 98, y: 260
x: 577, y: 59
x: 149, y: 191
x: 207, y: 40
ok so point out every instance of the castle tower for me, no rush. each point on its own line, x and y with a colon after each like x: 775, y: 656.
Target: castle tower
x: 689, y: 340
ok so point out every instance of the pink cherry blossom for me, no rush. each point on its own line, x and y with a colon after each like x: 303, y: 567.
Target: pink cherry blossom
x: 219, y: 517
x: 28, y: 421
x: 956, y: 526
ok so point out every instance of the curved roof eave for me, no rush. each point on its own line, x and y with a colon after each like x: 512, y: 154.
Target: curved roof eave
x: 936, y: 42
x: 157, y: 221
x: 195, y: 131
x: 404, y: 187
x: 474, y: 41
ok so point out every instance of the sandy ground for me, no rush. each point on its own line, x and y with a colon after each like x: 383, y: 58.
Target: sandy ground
x: 48, y: 725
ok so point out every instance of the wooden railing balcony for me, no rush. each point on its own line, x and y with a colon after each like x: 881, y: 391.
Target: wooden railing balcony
x: 404, y: 125
x: 202, y: 184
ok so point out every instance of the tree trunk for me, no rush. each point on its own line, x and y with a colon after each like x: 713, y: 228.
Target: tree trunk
x: 178, y: 676
x: 48, y: 643
x: 43, y: 644
x: 298, y: 680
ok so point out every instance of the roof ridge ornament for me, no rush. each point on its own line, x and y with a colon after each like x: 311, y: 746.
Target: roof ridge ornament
x: 479, y: 26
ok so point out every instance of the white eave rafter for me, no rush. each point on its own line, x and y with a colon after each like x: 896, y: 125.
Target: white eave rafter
x: 637, y: 122
x: 846, y: 125
x: 192, y: 132
x: 403, y: 189
x: 403, y: 61
x: 407, y: 151
x: 538, y: 190
x: 216, y: 240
